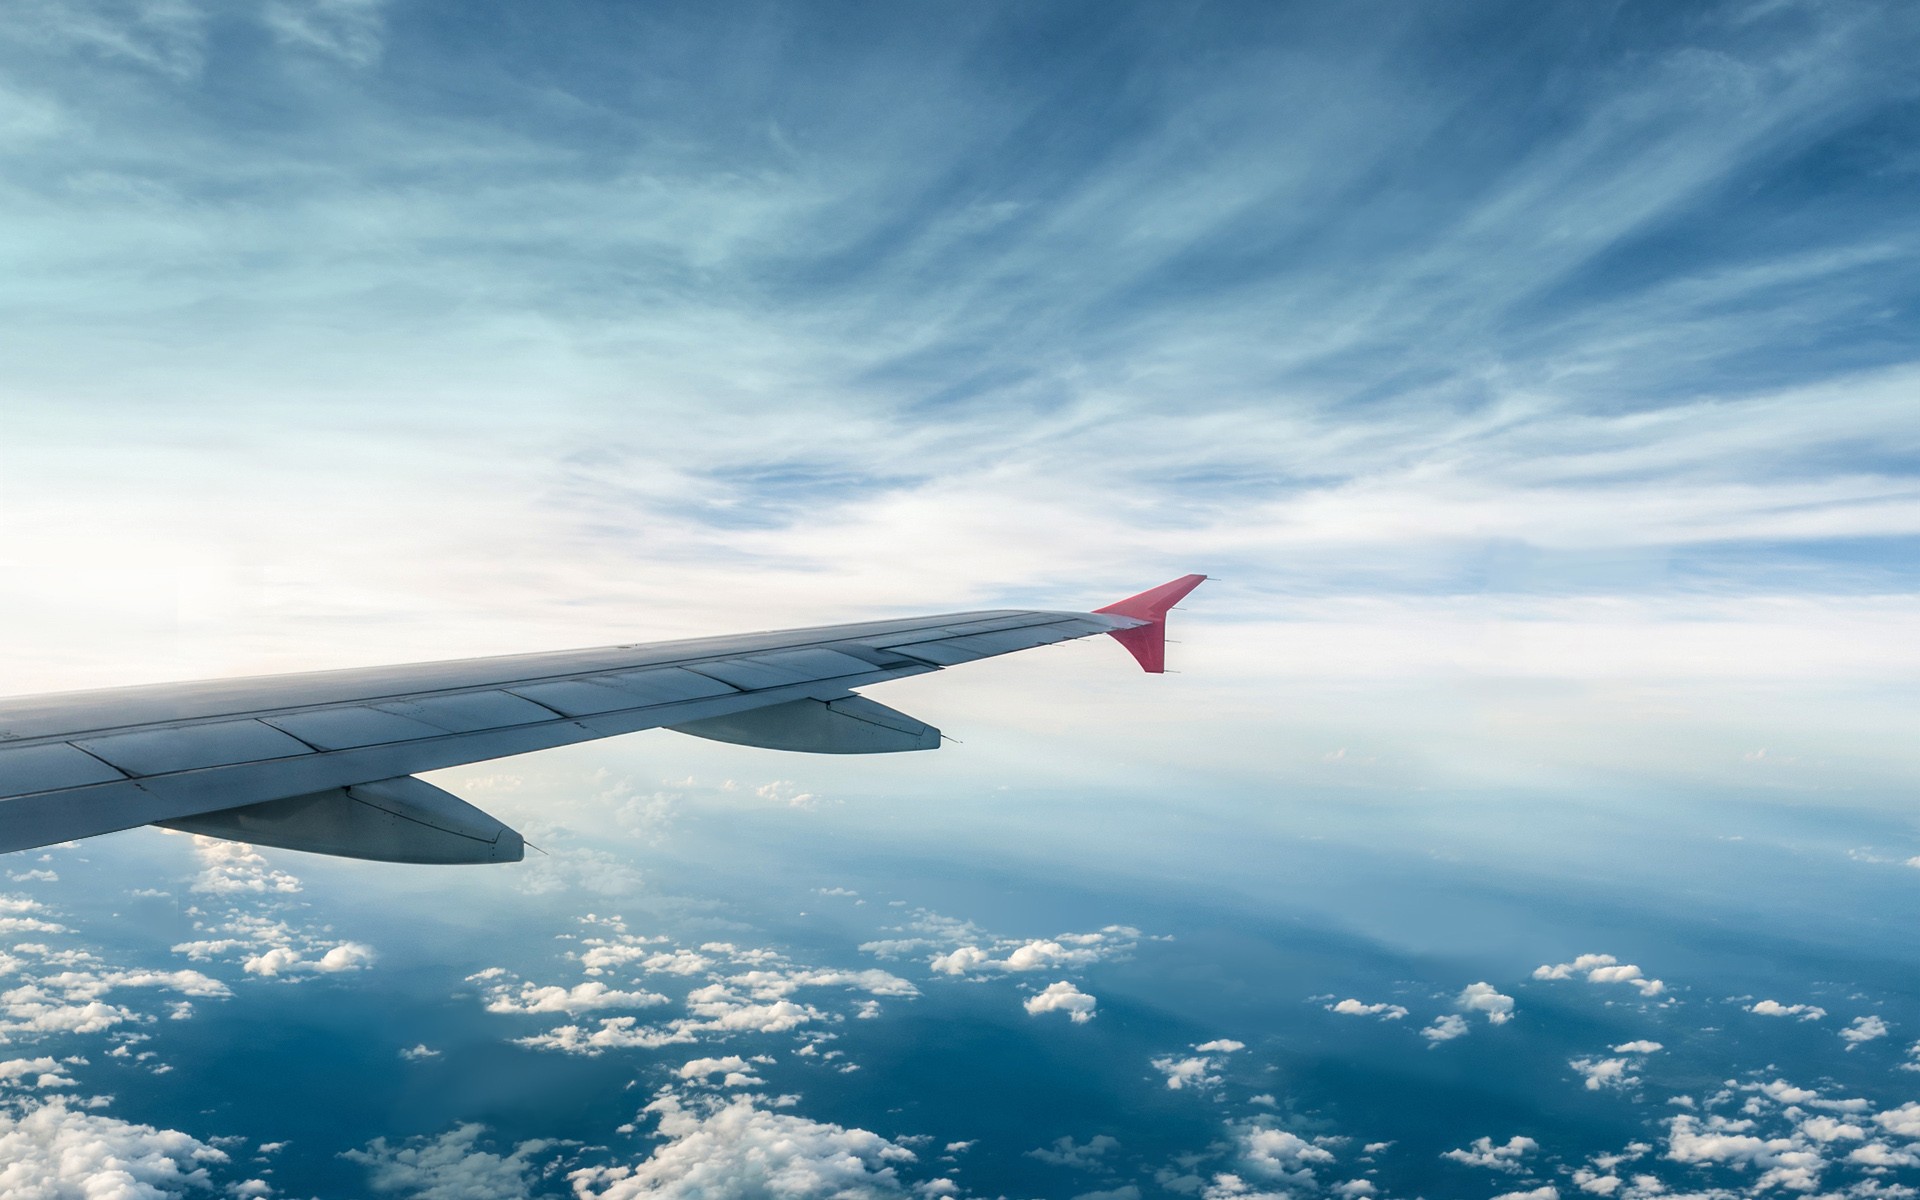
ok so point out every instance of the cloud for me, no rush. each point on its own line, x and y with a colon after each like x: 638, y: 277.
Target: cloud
x: 1221, y: 1046
x: 737, y: 1148
x: 1279, y: 1154
x: 1863, y: 1030
x: 960, y: 960
x: 348, y: 30
x: 1602, y: 968
x: 291, y: 960
x: 584, y: 997
x: 770, y: 984
x: 1783, y: 1161
x: 235, y: 868
x: 733, y: 1070
x: 1065, y: 1152
x: 53, y: 1150
x: 1642, y: 1046
x: 42, y: 1072
x: 719, y: 1009
x: 1482, y: 1152
x: 613, y: 1033
x: 419, y: 1052
x: 1186, y: 1073
x: 1482, y: 998
x: 1904, y: 1120
x: 1445, y: 1029
x: 1228, y: 1186
x: 1038, y: 954
x: 1605, y: 1073
x: 1773, y: 1008
x: 1063, y: 997
x: 451, y: 1166
x: 1354, y: 1008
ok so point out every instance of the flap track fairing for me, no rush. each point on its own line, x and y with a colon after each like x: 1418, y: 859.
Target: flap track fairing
x: 403, y: 820
x: 849, y: 725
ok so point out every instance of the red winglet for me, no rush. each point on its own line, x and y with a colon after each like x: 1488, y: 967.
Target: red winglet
x: 1148, y: 643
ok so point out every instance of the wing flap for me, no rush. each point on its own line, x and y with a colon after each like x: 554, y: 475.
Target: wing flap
x: 190, y: 747
x: 347, y: 728
x: 577, y: 697
x: 49, y: 767
x: 470, y: 712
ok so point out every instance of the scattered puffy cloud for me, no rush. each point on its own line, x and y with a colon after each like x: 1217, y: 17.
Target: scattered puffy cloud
x: 1507, y: 1156
x: 1189, y: 1072
x: 1484, y: 998
x: 20, y: 914
x: 718, y: 1008
x: 1602, y: 968
x: 293, y: 960
x: 1228, y: 1186
x: 748, y: 991
x: 451, y: 1166
x: 1604, y: 1073
x: 785, y: 791
x: 1788, y: 1162
x: 419, y: 1052
x: 1904, y: 1120
x: 613, y: 1033
x: 1198, y: 1070
x: 1642, y: 1046
x: 235, y: 868
x: 733, y: 1070
x: 1863, y: 1030
x: 1038, y: 954
x: 265, y: 945
x: 736, y: 1147
x: 1356, y: 1008
x: 1281, y: 1155
x: 73, y: 1000
x: 42, y: 1072
x: 772, y: 983
x: 51, y: 1149
x: 1063, y: 997
x: 1065, y: 1152
x: 583, y: 997
x: 1445, y: 1029
x: 1913, y: 1058
x: 1773, y: 1008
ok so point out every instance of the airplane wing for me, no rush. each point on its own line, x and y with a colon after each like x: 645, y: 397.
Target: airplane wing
x: 324, y: 761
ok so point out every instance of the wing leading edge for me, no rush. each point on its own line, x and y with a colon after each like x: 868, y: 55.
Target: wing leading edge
x: 323, y: 761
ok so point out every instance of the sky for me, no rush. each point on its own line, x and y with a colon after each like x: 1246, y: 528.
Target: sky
x: 1539, y: 382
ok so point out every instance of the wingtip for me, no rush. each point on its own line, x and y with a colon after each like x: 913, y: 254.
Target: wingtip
x: 1152, y: 604
x: 1148, y: 643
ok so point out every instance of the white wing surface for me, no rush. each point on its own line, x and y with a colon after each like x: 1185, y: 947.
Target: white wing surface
x: 324, y: 761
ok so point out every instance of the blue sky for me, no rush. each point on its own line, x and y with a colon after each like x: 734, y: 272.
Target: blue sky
x: 1556, y: 358
x: 1541, y: 381
x: 1553, y: 344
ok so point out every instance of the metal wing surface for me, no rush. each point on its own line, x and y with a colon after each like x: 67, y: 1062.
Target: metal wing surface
x: 323, y: 761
